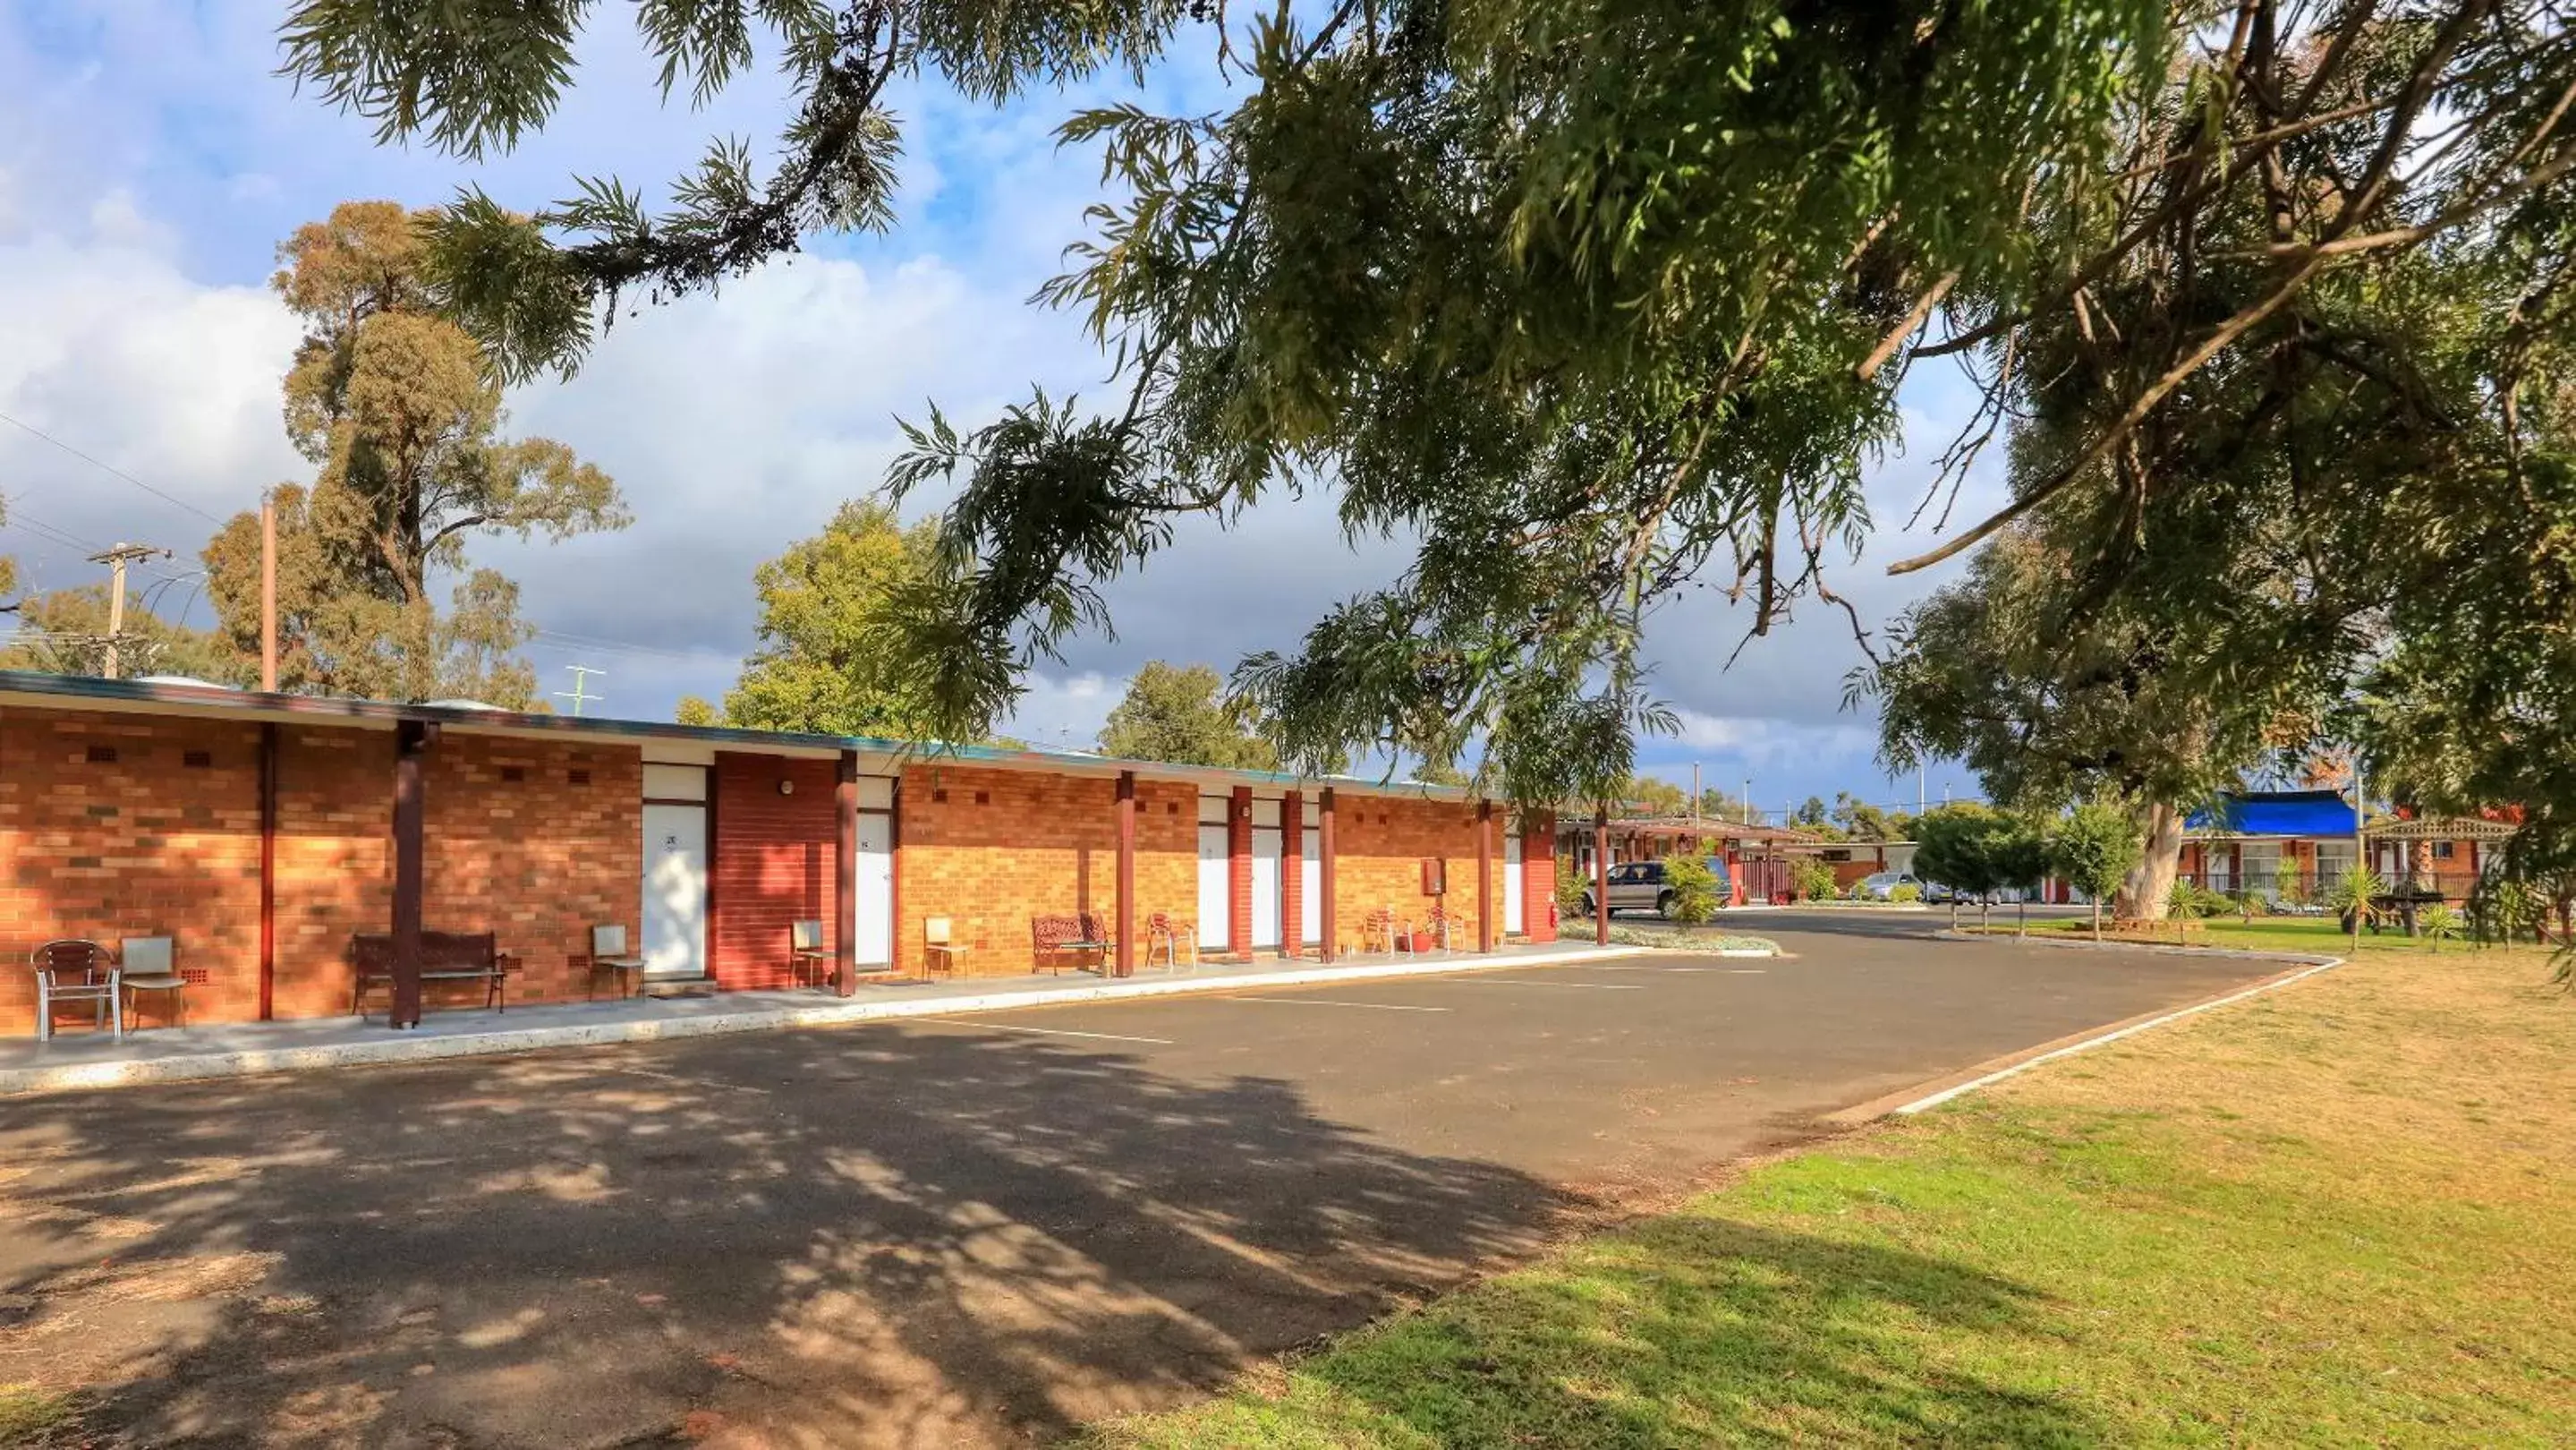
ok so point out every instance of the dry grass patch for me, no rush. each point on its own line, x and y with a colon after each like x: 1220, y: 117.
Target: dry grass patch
x: 2332, y: 1215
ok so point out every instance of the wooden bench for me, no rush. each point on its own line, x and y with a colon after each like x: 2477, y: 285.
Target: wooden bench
x: 1079, y: 936
x: 445, y: 956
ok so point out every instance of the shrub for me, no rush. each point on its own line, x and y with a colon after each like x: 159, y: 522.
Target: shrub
x: 1812, y: 879
x: 1906, y: 891
x: 1571, y: 883
x: 1693, y: 888
x: 2438, y: 921
x: 2294, y: 892
x: 2191, y: 900
x: 2350, y: 897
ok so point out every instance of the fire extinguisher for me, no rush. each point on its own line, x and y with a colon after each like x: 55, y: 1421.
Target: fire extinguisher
x: 1551, y: 918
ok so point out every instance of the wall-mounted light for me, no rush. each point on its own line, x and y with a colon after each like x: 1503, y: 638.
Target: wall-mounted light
x: 787, y: 787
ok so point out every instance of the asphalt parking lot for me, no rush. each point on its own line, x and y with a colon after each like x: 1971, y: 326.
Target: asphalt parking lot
x: 955, y: 1232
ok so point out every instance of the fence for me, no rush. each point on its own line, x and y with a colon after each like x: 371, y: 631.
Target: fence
x: 2295, y: 891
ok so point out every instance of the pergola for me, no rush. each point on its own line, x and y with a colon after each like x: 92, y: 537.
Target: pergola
x: 2439, y: 828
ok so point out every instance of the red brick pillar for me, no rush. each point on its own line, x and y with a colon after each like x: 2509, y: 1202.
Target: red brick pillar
x: 1332, y: 943
x: 1238, y: 883
x: 845, y: 875
x: 412, y: 740
x: 1485, y: 877
x: 1601, y: 877
x: 1126, y: 921
x: 1292, y: 880
x: 1538, y: 877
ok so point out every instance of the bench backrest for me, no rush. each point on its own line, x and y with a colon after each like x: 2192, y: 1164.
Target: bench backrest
x: 1050, y: 933
x: 374, y: 951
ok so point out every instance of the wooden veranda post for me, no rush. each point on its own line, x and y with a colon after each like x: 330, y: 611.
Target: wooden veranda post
x: 1324, y: 848
x: 845, y: 890
x: 1485, y: 877
x: 1601, y: 875
x: 412, y: 740
x: 1126, y: 927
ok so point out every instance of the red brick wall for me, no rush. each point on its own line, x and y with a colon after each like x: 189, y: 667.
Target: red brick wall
x: 1538, y: 877
x: 537, y: 860
x: 776, y: 863
x: 145, y: 845
x: 1378, y: 850
x: 990, y: 849
x: 335, y: 814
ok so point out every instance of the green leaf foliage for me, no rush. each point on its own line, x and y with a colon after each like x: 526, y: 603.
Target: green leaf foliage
x: 1692, y: 888
x: 1592, y: 301
x: 830, y: 658
x: 1179, y: 713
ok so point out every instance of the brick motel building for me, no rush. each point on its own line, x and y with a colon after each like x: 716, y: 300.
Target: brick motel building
x: 263, y: 833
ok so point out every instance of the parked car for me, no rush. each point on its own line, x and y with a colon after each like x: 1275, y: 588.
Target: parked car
x: 1881, y: 886
x: 1639, y: 886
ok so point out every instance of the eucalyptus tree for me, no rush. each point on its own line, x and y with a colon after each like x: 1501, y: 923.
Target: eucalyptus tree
x: 1595, y: 298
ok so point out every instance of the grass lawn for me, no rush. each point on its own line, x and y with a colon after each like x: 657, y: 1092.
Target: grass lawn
x: 2314, y: 935
x: 2337, y: 1214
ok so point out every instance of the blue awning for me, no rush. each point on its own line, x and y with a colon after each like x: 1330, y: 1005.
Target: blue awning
x: 2322, y: 813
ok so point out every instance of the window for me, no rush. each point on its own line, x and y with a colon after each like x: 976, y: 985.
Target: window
x: 2442, y: 850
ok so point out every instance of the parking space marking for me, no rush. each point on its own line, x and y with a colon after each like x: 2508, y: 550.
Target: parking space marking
x: 1333, y: 1002
x: 1043, y: 1031
x: 1575, y: 986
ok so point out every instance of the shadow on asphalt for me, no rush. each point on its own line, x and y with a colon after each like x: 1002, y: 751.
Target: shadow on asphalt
x: 896, y: 1237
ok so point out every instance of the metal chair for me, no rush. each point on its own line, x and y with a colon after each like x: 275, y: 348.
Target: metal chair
x: 72, y: 969
x: 939, y: 952
x: 1172, y: 935
x: 145, y: 964
x: 608, y: 954
x: 1379, y: 931
x: 810, y: 961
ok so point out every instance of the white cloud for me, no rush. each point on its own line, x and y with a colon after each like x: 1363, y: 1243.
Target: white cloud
x: 149, y: 161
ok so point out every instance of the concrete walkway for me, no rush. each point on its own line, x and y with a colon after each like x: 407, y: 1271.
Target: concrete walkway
x: 77, y: 1059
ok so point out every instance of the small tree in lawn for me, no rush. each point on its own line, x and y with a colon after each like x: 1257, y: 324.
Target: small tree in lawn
x: 1954, y: 846
x: 2093, y: 848
x: 2018, y: 852
x: 2351, y: 897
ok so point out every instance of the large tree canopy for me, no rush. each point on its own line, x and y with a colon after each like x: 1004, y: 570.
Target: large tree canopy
x: 1178, y: 713
x: 1596, y: 297
x: 824, y: 662
x: 394, y: 404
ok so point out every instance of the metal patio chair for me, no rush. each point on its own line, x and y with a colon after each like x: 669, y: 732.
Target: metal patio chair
x: 1171, y: 936
x: 74, y: 969
x: 147, y: 964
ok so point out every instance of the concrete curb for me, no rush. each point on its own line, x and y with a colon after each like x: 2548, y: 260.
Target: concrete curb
x: 1939, y: 1090
x: 395, y: 1048
x: 2168, y: 948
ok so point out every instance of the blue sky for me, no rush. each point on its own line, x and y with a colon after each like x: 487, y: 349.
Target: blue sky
x: 150, y: 160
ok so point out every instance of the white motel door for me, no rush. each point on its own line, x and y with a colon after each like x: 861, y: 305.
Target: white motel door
x: 675, y: 890
x: 1269, y: 844
x: 876, y: 890
x: 1215, y: 893
x: 1512, y: 884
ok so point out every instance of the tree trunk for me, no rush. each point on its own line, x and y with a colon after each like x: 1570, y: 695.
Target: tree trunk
x: 2148, y: 889
x: 2097, y: 917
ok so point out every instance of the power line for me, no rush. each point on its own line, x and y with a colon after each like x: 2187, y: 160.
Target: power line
x: 574, y: 642
x: 110, y: 468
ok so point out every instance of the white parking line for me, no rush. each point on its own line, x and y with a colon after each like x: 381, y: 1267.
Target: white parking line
x: 1577, y: 986
x: 1044, y: 1031
x: 1331, y: 1002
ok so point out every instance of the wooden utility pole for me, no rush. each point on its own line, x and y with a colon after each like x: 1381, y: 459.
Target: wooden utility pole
x: 116, y: 559
x: 268, y: 593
